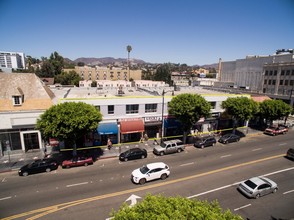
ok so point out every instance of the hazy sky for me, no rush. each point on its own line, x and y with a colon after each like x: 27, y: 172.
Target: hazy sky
x: 159, y: 31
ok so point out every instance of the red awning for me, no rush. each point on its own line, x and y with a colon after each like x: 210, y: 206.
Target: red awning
x: 132, y: 126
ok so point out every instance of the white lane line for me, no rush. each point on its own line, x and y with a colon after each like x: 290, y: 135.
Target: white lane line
x: 77, y: 184
x: 279, y: 171
x: 186, y: 164
x: 9, y: 197
x: 242, y: 207
x: 288, y: 192
x: 3, y: 180
x: 257, y: 149
x: 226, y: 156
x: 282, y: 144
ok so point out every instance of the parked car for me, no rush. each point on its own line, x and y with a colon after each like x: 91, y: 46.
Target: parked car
x: 290, y: 153
x: 228, y: 138
x: 38, y: 166
x: 151, y: 171
x: 205, y: 141
x: 257, y: 186
x: 79, y: 161
x: 169, y: 147
x: 275, y: 130
x: 132, y: 154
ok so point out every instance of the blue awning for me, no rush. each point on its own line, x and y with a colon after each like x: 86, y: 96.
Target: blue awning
x: 107, y: 128
x: 171, y: 123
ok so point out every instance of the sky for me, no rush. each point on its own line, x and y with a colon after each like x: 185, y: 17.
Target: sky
x: 191, y: 32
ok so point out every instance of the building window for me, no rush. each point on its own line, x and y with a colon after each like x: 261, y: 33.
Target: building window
x: 150, y: 108
x: 291, y: 82
x: 111, y: 109
x: 287, y: 72
x: 265, y: 82
x: 213, y: 105
x: 292, y: 73
x: 17, y: 100
x: 132, y: 109
x: 281, y: 82
x: 266, y: 73
x: 274, y: 82
x: 286, y: 82
x: 275, y: 72
x: 270, y: 82
x: 97, y: 107
x: 271, y: 73
x: 283, y: 72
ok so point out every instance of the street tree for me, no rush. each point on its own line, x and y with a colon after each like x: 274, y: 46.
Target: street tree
x: 69, y: 121
x: 272, y: 110
x: 240, y: 109
x: 188, y: 109
x: 160, y: 207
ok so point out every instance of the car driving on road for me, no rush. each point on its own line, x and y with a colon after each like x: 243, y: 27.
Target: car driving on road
x: 38, y: 166
x: 257, y: 187
x: 132, y: 154
x: 151, y: 171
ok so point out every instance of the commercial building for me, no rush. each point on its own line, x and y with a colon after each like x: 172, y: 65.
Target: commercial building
x: 12, y: 60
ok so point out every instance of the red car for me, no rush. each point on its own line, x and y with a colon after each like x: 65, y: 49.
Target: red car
x: 79, y: 161
x: 275, y: 130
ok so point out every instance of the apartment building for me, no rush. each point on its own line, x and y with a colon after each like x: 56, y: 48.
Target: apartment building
x: 12, y: 60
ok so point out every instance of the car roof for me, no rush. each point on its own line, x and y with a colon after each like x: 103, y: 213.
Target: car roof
x: 260, y: 180
x: 156, y: 165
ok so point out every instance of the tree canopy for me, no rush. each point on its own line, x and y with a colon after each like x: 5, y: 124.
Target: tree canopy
x: 274, y: 109
x: 240, y: 108
x: 189, y: 108
x: 169, y: 208
x: 70, y: 78
x: 163, y: 73
x: 69, y: 120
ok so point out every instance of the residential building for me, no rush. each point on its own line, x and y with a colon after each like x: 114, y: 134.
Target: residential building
x: 12, y: 60
x: 23, y: 98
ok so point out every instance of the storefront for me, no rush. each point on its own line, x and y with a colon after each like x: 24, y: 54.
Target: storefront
x: 172, y: 127
x: 131, y: 130
x: 152, y: 126
x: 105, y: 131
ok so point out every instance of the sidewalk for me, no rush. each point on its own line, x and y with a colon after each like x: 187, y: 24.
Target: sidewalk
x: 18, y: 159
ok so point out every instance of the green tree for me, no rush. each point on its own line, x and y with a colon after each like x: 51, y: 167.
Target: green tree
x: 69, y: 121
x: 272, y: 110
x: 173, y: 208
x: 188, y: 109
x: 70, y: 78
x: 240, y: 108
x: 47, y: 69
x: 57, y: 62
x: 163, y: 73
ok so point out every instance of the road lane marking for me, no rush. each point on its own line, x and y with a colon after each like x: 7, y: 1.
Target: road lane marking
x: 279, y: 171
x: 228, y: 155
x: 51, y: 209
x: 186, y: 164
x: 9, y: 197
x: 257, y: 149
x: 242, y: 207
x: 288, y: 192
x: 282, y: 144
x: 77, y: 184
x: 3, y: 180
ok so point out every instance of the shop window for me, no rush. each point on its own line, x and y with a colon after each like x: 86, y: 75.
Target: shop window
x: 150, y: 108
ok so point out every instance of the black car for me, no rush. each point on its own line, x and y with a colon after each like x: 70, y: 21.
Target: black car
x: 290, y: 153
x: 228, y: 138
x: 38, y: 166
x: 205, y: 141
x: 133, y: 153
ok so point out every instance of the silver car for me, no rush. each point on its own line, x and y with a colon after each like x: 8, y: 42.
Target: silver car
x: 257, y: 186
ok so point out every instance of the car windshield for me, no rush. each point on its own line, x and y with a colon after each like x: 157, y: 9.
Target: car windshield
x: 144, y: 169
x: 251, y: 184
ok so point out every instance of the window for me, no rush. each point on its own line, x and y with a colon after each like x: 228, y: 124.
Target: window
x: 281, y: 82
x: 274, y: 82
x: 97, y: 107
x: 291, y: 82
x: 287, y: 72
x: 283, y: 72
x: 265, y: 82
x: 266, y: 72
x: 111, y: 109
x: 286, y: 82
x: 275, y: 72
x: 132, y: 109
x: 150, y: 108
x: 270, y: 82
x: 213, y: 105
x: 17, y: 100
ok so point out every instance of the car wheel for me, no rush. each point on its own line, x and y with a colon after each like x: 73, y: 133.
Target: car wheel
x: 48, y: 170
x: 161, y: 153
x: 25, y: 173
x: 257, y: 196
x: 86, y: 164
x: 275, y: 190
x: 163, y: 176
x: 142, y: 181
x: 179, y: 150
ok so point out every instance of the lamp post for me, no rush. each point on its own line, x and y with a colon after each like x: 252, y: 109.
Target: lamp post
x: 162, y: 114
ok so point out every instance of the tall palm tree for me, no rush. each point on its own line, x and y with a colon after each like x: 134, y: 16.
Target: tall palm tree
x: 129, y: 49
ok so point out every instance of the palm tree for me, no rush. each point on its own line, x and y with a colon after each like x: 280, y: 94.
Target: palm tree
x: 129, y: 49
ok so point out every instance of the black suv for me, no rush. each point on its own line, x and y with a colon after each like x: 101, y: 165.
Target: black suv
x: 132, y: 154
x: 205, y: 141
x: 290, y: 153
x: 38, y: 166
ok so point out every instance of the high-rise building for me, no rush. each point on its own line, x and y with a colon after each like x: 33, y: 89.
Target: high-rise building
x: 12, y: 60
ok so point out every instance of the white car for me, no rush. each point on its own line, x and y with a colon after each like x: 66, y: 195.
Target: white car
x: 150, y: 172
x: 257, y: 186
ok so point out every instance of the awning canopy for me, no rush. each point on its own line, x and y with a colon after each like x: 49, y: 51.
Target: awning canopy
x: 171, y: 123
x: 132, y: 126
x: 107, y: 128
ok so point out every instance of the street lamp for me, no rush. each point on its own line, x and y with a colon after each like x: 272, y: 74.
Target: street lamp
x: 162, y: 121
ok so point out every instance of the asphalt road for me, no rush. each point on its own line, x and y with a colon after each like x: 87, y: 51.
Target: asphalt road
x: 206, y: 174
